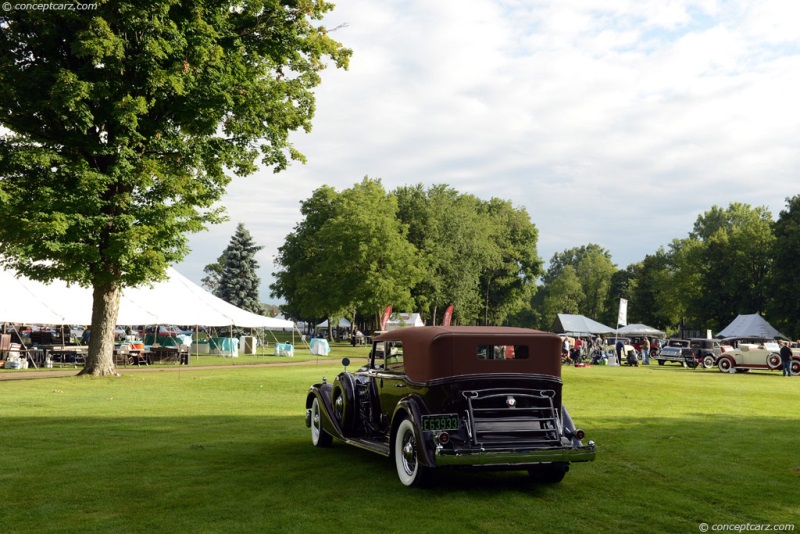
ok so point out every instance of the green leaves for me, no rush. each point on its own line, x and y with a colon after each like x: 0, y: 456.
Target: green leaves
x: 127, y: 120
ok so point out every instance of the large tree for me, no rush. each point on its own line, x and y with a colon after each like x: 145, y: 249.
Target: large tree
x: 452, y: 237
x: 784, y: 284
x: 348, y: 255
x: 594, y: 269
x: 298, y: 281
x: 125, y: 121
x: 729, y: 253
x: 509, y: 275
x: 239, y: 282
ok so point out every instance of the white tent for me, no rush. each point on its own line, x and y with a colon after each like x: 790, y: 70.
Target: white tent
x: 402, y: 320
x: 343, y: 323
x: 176, y: 300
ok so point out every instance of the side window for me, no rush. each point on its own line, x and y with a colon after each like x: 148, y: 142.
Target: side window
x: 378, y: 351
x: 502, y: 352
x: 394, y: 356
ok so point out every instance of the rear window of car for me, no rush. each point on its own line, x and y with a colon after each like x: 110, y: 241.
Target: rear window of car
x: 502, y: 352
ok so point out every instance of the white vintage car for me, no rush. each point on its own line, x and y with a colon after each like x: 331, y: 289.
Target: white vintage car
x: 747, y: 357
x: 610, y: 348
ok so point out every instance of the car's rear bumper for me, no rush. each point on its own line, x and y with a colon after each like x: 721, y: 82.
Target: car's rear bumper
x: 501, y: 457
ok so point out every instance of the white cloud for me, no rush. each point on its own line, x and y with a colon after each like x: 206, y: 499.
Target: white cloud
x: 615, y: 123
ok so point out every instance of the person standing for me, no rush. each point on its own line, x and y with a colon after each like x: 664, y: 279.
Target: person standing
x: 786, y: 359
x: 646, y: 350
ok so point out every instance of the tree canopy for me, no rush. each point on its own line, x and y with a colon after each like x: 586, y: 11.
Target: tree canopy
x: 125, y: 123
x: 357, y: 251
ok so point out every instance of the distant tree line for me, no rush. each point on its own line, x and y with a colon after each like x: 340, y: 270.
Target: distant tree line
x: 358, y: 250
x: 734, y: 261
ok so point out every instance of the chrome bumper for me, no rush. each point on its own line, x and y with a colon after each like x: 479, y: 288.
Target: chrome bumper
x: 500, y: 457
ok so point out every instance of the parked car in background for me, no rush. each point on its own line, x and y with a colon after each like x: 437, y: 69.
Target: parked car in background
x: 119, y: 333
x: 676, y: 351
x: 446, y: 397
x: 751, y: 356
x: 76, y: 331
x: 705, y: 351
x: 628, y: 348
x: 756, y: 342
x: 163, y: 330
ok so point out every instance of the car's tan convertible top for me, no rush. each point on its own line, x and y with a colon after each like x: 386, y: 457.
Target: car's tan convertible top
x: 433, y: 352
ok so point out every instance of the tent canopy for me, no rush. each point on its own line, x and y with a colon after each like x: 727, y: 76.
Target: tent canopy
x: 343, y: 323
x: 639, y: 330
x: 176, y: 300
x: 402, y: 320
x: 579, y: 325
x: 750, y: 326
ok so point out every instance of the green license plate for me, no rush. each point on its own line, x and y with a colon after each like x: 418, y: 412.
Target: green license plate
x: 440, y: 422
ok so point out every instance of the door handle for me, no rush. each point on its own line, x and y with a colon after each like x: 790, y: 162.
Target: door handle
x: 399, y: 385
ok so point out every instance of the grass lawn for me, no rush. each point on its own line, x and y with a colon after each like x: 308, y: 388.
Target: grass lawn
x: 226, y: 450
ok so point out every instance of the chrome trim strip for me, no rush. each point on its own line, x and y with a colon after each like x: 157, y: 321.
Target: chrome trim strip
x: 465, y: 457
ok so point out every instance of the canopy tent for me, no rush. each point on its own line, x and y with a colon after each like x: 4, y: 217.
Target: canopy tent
x: 402, y: 320
x: 578, y: 325
x: 176, y: 300
x: 750, y: 326
x: 639, y: 330
x: 343, y: 323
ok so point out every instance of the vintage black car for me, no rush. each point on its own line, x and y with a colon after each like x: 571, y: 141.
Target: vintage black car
x: 705, y: 351
x: 474, y: 397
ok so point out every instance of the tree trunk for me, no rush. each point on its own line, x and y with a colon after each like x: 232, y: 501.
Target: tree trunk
x: 105, y: 308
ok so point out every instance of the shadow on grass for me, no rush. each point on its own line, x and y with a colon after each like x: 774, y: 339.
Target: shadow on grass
x: 245, y: 473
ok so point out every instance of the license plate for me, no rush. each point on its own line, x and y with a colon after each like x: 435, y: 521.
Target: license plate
x: 440, y: 422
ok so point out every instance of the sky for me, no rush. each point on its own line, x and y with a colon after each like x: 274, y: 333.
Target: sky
x: 614, y: 122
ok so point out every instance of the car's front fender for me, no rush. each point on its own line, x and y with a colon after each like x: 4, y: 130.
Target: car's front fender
x: 322, y: 392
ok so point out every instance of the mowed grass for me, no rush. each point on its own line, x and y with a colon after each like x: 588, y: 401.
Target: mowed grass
x: 227, y: 450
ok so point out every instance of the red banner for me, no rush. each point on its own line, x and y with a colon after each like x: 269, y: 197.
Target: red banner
x: 386, y: 313
x: 448, y: 315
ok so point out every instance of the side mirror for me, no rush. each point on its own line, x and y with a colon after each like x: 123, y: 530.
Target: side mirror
x: 345, y: 362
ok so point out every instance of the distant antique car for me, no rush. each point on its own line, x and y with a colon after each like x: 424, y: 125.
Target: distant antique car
x: 705, y: 351
x: 729, y: 343
x: 748, y: 357
x: 436, y: 397
x: 678, y: 351
x: 611, y: 347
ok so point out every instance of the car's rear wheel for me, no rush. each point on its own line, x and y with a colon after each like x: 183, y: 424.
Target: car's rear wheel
x: 774, y: 361
x: 708, y: 361
x: 795, y: 368
x: 406, y: 456
x: 319, y: 437
x: 549, y: 473
x: 725, y: 365
x: 661, y: 362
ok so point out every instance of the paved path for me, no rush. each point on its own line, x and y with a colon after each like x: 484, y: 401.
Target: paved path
x: 27, y: 375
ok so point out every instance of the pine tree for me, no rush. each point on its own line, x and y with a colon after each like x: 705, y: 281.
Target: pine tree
x: 239, y: 282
